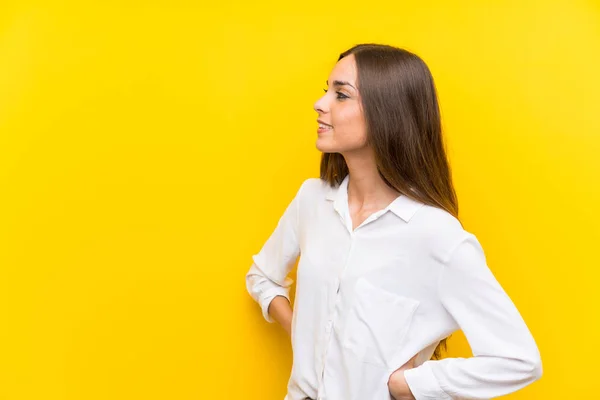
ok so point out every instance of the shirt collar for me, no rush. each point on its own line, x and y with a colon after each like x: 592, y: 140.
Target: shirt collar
x: 403, y: 206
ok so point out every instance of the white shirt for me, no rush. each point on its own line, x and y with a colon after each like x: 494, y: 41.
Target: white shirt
x: 369, y: 299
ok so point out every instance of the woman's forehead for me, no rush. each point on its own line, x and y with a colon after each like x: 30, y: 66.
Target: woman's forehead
x: 344, y: 70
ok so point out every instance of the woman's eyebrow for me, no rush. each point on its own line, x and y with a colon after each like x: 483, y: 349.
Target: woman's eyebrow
x: 340, y: 83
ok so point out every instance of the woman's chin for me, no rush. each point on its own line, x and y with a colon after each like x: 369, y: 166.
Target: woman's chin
x: 324, y: 146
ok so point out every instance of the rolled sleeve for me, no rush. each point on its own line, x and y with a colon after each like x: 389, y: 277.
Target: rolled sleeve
x: 263, y: 290
x: 423, y: 384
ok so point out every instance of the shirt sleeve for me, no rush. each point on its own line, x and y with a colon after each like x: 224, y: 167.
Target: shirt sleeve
x: 268, y: 275
x: 505, y: 356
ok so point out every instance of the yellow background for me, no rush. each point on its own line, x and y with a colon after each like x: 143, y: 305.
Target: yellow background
x: 147, y: 149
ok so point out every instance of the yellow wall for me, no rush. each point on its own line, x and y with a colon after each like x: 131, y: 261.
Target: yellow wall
x: 147, y: 149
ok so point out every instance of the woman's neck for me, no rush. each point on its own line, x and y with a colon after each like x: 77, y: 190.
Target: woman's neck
x: 366, y: 188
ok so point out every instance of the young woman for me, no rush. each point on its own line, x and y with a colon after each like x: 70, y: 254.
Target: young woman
x: 386, y: 271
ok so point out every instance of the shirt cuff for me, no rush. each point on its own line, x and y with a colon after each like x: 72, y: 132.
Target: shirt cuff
x: 267, y: 296
x: 423, y: 383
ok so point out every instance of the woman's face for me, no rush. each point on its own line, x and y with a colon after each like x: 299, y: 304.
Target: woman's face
x: 342, y: 126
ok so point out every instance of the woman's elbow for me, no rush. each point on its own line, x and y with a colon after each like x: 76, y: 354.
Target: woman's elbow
x: 534, y: 366
x: 537, y: 370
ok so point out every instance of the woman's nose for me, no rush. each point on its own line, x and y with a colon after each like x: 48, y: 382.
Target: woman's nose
x: 320, y: 106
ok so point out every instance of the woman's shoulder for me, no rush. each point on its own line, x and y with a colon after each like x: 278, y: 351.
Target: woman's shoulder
x: 313, y: 187
x: 435, y: 218
x: 439, y: 230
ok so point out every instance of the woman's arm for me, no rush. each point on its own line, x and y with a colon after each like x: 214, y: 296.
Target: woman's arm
x: 267, y: 280
x: 505, y: 356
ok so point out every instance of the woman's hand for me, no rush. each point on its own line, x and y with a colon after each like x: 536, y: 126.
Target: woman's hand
x: 397, y: 384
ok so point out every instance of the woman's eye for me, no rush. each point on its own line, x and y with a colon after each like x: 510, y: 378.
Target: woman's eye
x: 340, y: 95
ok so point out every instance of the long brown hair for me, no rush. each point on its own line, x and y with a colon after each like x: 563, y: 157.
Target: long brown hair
x: 404, y: 129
